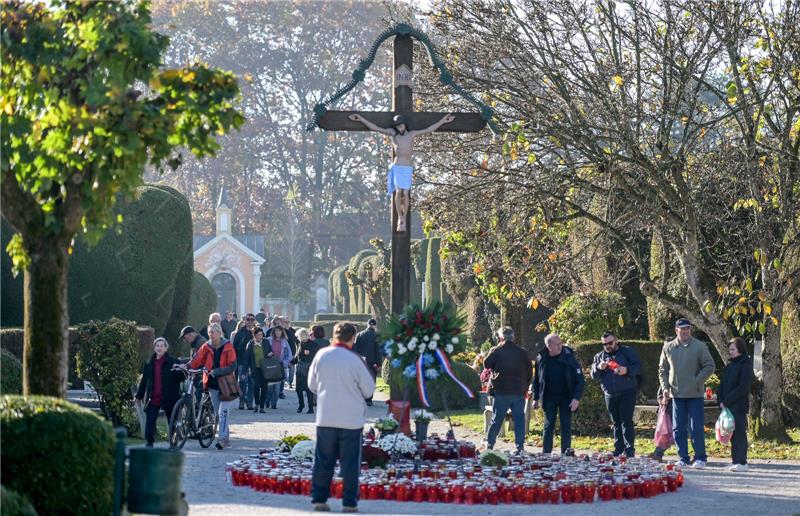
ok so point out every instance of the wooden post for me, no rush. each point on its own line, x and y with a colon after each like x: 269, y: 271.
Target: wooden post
x: 402, y: 103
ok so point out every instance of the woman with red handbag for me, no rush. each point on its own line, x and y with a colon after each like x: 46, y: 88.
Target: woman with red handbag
x: 218, y: 360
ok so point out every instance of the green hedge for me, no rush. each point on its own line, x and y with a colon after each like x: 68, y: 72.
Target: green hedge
x: 649, y: 353
x: 456, y: 399
x: 12, y: 340
x: 586, y: 316
x: 433, y: 272
x: 108, y: 357
x: 58, y: 455
x: 203, y: 301
x: 10, y: 374
x: 14, y: 504
x: 132, y: 274
x: 11, y: 300
x: 357, y: 318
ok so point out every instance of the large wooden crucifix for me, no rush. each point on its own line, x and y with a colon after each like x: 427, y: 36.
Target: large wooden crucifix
x: 402, y: 105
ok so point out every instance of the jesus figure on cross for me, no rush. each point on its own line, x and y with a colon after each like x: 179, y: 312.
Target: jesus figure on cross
x: 399, y: 178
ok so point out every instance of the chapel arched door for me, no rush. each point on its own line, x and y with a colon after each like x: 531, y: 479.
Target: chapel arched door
x: 225, y: 286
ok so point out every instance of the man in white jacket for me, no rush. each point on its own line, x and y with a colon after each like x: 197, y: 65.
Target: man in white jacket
x: 341, y: 381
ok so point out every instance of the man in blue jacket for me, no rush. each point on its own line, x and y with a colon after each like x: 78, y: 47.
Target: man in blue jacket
x: 558, y: 382
x: 617, y: 367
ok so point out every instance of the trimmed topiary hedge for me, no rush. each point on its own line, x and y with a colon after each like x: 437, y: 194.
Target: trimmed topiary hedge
x: 10, y: 374
x: 202, y: 302
x: 133, y: 274
x: 108, y: 357
x: 58, y: 455
x: 14, y: 504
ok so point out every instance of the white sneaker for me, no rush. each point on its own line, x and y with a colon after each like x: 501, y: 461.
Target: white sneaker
x: 699, y: 464
x: 739, y: 467
x: 680, y: 464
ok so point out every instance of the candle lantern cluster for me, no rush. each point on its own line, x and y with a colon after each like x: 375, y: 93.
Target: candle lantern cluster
x: 451, y: 472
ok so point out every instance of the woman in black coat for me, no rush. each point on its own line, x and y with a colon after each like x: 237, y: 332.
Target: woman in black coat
x: 303, y: 358
x: 734, y: 394
x: 160, y: 387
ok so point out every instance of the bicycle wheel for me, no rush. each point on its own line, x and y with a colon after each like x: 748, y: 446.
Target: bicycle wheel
x: 180, y: 424
x: 207, y: 428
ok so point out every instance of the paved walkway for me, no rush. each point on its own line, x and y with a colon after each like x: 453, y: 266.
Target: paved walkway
x: 769, y: 487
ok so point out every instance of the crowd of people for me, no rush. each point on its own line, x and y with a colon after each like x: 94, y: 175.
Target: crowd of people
x: 554, y: 381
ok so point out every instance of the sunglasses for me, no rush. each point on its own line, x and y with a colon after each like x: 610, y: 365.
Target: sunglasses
x: 606, y: 344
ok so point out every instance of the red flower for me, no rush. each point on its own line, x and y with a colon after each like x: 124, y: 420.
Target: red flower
x: 456, y: 331
x: 438, y: 328
x: 444, y: 317
x: 405, y: 323
x: 410, y: 332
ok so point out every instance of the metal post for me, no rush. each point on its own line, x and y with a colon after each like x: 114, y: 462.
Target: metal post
x: 119, y: 470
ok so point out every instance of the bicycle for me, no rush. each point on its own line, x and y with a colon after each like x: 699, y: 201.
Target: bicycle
x: 186, y: 421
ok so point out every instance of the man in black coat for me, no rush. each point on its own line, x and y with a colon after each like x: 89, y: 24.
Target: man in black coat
x: 159, y: 388
x: 558, y: 383
x: 511, y: 375
x: 367, y: 346
x: 240, y: 341
x: 618, y: 368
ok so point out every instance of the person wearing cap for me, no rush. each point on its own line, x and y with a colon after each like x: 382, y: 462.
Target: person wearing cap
x: 399, y: 178
x: 195, y: 340
x: 683, y: 369
x: 367, y: 346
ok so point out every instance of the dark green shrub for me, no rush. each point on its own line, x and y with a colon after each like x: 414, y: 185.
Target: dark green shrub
x: 12, y: 309
x: 202, y: 302
x: 433, y: 272
x: 11, y: 374
x: 585, y: 316
x: 58, y: 455
x: 132, y: 272
x: 14, y: 504
x: 12, y: 340
x: 592, y: 415
x: 108, y: 357
x: 183, y: 281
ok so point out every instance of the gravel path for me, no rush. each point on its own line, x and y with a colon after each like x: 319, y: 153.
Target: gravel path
x: 770, y: 487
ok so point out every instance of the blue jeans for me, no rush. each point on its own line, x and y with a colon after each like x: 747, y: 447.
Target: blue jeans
x: 687, y: 413
x: 245, y: 386
x: 503, y: 402
x: 332, y: 444
x: 272, y: 394
x: 550, y: 406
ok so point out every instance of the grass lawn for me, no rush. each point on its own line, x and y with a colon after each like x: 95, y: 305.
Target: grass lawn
x: 161, y: 433
x: 644, y: 439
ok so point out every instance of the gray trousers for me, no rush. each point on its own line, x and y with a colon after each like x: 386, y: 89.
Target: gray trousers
x: 222, y: 409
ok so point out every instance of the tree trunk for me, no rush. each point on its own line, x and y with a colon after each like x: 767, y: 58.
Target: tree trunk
x: 46, y: 324
x: 766, y: 418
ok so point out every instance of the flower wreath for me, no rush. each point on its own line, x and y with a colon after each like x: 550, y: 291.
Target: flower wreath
x: 419, y: 343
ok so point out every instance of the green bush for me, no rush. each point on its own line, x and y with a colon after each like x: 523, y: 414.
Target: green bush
x: 586, y: 316
x: 11, y: 302
x: 14, y: 504
x: 357, y: 318
x: 11, y: 380
x: 433, y: 272
x: 58, y: 455
x: 12, y: 340
x: 132, y: 273
x: 592, y: 415
x: 203, y: 301
x: 108, y: 357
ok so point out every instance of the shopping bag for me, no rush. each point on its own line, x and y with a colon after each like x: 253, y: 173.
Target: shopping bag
x: 663, y: 437
x: 724, y: 426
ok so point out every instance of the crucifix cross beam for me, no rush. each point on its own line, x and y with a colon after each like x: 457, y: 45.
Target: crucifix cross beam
x: 464, y: 122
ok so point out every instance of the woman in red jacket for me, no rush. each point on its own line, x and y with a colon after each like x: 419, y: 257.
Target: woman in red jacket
x: 217, y: 358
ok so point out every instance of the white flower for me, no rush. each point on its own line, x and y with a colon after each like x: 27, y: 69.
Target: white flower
x: 422, y: 349
x: 449, y: 348
x: 432, y: 345
x: 436, y: 336
x: 426, y: 338
x: 413, y: 340
x: 401, y: 350
x: 412, y: 345
x: 304, y: 450
x: 454, y: 340
x: 397, y: 442
x: 422, y: 415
